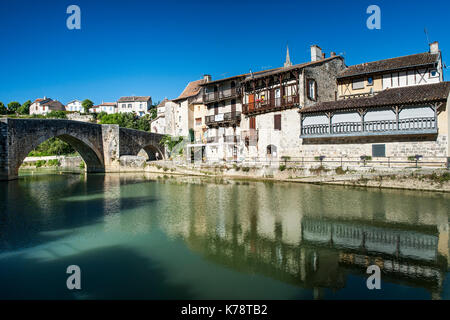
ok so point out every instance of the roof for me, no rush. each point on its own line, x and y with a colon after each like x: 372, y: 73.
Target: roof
x: 412, y: 95
x: 265, y: 73
x: 414, y: 60
x: 192, y: 89
x: 112, y: 104
x: 135, y: 99
x: 53, y: 103
x: 162, y: 103
x: 42, y: 100
x: 76, y: 100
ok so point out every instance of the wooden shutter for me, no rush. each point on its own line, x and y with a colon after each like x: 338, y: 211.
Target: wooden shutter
x: 252, y: 123
x: 277, y: 122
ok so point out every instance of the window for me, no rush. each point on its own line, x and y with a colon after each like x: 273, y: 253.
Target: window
x: 124, y: 106
x: 129, y: 105
x: 358, y: 84
x: 277, y: 122
x: 370, y: 81
x: 312, y: 89
x: 433, y: 73
x: 252, y: 123
x: 378, y: 150
x: 198, y: 121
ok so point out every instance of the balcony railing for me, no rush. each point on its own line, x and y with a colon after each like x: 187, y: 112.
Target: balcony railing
x: 403, y: 126
x: 270, y: 105
x: 219, y: 95
x: 223, y: 118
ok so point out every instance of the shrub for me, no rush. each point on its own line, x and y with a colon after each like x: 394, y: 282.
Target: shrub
x: 82, y: 165
x: 40, y: 163
x: 282, y: 167
x: 245, y: 169
x: 339, y: 170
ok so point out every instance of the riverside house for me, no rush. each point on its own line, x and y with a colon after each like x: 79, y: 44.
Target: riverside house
x: 396, y: 107
x: 158, y: 125
x: 271, y: 99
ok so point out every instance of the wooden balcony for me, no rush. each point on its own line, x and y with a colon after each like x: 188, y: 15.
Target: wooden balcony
x: 270, y: 105
x: 211, y: 97
x: 223, y: 119
x: 371, y: 128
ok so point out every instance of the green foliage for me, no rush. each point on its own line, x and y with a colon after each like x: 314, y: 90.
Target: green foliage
x: 411, y: 158
x: 154, y: 113
x: 13, y: 107
x: 82, y: 165
x: 59, y: 114
x: 125, y: 120
x: 87, y: 104
x: 25, y: 108
x: 3, y: 109
x: 40, y: 163
x: 53, y: 163
x: 245, y: 169
x: 282, y: 167
x: 52, y: 147
x: 339, y: 170
x: 170, y: 143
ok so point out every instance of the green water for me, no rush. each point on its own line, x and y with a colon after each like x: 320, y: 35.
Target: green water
x: 138, y: 236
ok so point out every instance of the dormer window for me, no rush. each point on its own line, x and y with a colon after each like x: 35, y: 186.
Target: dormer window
x: 433, y: 73
x: 312, y: 89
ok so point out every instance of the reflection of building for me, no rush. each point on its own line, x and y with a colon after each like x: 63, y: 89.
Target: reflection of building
x: 319, y: 249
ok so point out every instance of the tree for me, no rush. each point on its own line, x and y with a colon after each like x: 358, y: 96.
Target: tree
x: 87, y: 104
x: 3, y: 109
x: 25, y: 108
x: 13, y: 107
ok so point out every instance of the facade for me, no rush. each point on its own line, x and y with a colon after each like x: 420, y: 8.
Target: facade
x: 108, y: 107
x: 389, y: 108
x: 223, y: 100
x: 75, y: 106
x: 271, y: 100
x: 184, y: 113
x: 140, y: 105
x: 158, y: 125
x: 45, y: 105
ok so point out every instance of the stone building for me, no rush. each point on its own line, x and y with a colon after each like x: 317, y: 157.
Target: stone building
x: 75, y: 106
x: 271, y: 101
x: 158, y: 125
x: 46, y: 105
x: 388, y: 108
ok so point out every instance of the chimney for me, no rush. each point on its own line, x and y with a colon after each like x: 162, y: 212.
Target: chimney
x: 332, y: 54
x: 207, y: 77
x: 323, y: 55
x: 434, y: 47
x: 316, y: 53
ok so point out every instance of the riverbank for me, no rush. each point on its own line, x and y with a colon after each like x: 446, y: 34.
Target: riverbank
x: 425, y: 179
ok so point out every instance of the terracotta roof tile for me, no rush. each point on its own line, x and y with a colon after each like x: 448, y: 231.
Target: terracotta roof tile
x: 192, y: 89
x: 412, y: 95
x: 135, y: 99
x: 418, y: 59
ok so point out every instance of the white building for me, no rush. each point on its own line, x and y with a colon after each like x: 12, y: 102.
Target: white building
x: 158, y: 125
x: 140, y: 105
x: 74, y: 106
x: 108, y: 107
x: 45, y: 105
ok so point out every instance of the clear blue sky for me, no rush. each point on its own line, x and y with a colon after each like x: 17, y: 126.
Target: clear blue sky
x: 155, y: 48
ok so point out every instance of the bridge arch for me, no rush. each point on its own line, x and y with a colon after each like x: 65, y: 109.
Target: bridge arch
x: 91, y: 156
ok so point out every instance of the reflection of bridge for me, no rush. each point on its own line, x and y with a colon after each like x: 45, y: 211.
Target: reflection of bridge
x: 100, y: 146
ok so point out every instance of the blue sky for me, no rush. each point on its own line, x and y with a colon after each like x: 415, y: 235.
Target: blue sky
x: 155, y: 48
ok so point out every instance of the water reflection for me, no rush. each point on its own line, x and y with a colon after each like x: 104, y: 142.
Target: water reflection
x: 319, y: 240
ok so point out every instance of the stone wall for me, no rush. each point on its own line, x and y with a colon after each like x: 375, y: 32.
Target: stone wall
x: 80, y: 117
x: 3, y: 149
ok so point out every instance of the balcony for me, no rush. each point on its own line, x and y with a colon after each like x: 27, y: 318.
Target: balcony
x: 210, y: 97
x: 409, y: 126
x: 270, y: 105
x: 223, y: 119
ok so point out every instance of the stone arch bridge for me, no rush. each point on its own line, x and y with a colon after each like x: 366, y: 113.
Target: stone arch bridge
x: 100, y: 146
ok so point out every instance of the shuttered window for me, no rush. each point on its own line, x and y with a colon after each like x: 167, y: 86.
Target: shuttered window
x: 378, y: 150
x: 252, y: 123
x: 277, y: 122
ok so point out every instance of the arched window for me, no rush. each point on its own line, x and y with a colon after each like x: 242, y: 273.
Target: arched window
x: 312, y: 89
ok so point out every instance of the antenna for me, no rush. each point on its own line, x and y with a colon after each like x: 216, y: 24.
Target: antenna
x: 426, y: 33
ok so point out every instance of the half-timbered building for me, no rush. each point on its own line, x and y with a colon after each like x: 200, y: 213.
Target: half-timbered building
x: 389, y: 108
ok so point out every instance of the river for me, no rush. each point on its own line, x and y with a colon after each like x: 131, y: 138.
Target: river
x: 143, y: 236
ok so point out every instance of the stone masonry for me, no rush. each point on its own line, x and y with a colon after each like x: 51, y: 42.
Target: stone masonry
x: 100, y: 146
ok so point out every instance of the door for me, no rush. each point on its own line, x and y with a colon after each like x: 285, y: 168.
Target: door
x: 277, y: 97
x: 251, y: 102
